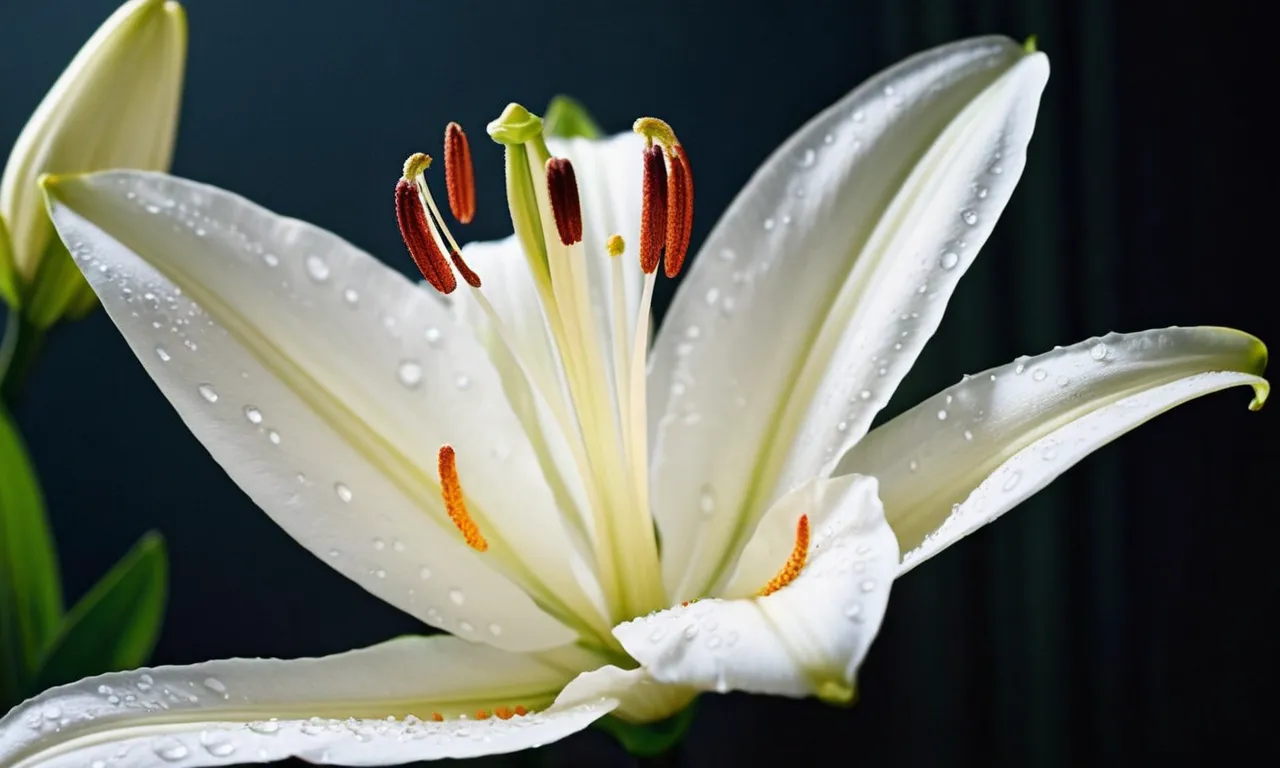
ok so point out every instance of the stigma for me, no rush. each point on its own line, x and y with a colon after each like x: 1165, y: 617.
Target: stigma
x: 455, y: 503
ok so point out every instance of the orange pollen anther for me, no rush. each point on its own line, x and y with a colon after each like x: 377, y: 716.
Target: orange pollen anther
x: 653, y: 213
x: 562, y: 189
x: 791, y: 569
x: 454, y: 503
x: 470, y: 276
x: 418, y: 238
x: 482, y: 714
x: 679, y: 210
x: 459, y: 175
x: 437, y: 717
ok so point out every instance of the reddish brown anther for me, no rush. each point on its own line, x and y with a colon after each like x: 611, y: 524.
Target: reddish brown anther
x: 562, y: 189
x: 412, y: 217
x: 653, y: 213
x: 459, y: 176
x: 471, y: 277
x: 679, y: 211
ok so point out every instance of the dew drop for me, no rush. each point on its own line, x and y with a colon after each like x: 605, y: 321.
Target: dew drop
x: 913, y: 465
x: 1098, y: 352
x: 1013, y: 480
x: 253, y: 414
x: 713, y: 294
x: 858, y: 116
x: 169, y: 749
x: 865, y: 394
x: 52, y: 712
x: 1063, y: 381
x: 343, y: 491
x: 267, y: 727
x: 949, y: 260
x: 942, y: 415
x: 690, y: 632
x: 969, y: 216
x: 968, y: 436
x: 215, y: 685
x: 997, y: 169
x: 707, y: 500
x: 842, y: 426
x: 828, y: 139
x: 397, y: 545
x: 424, y: 573
x: 379, y: 544
x: 409, y: 372
x: 854, y: 613
x: 433, y: 336
x: 163, y: 354
x: 495, y: 629
x: 808, y: 158
x: 271, y: 259
x: 1019, y: 369
x: 462, y: 382
x: 351, y: 296
x: 1039, y: 374
x: 273, y: 436
x: 727, y: 254
x: 208, y: 392
x: 380, y: 573
x: 769, y: 224
x: 465, y: 626
x: 456, y: 596
x: 317, y: 268
x: 217, y: 743
x: 335, y: 553
x: 1049, y: 452
x: 867, y: 585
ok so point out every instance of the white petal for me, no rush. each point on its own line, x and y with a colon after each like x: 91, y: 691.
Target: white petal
x: 349, y: 709
x: 972, y: 452
x: 808, y: 637
x: 804, y: 291
x: 641, y: 699
x: 324, y: 383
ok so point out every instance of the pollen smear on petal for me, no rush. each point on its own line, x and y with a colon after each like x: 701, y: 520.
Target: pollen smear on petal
x: 679, y: 211
x: 795, y: 563
x: 459, y: 175
x: 562, y: 189
x: 468, y: 274
x: 454, y: 502
x: 653, y: 212
x: 412, y: 218
x: 615, y: 245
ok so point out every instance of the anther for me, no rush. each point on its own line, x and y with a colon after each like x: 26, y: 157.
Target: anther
x: 615, y: 246
x: 482, y: 714
x: 454, y: 503
x: 470, y: 276
x: 653, y: 212
x: 503, y: 713
x: 679, y: 211
x: 795, y: 563
x: 562, y: 189
x: 437, y: 717
x: 459, y: 176
x: 418, y: 238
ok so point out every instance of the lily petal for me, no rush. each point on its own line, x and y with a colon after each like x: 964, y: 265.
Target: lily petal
x: 822, y: 283
x: 324, y: 383
x: 806, y: 638
x: 975, y: 450
x: 367, y: 707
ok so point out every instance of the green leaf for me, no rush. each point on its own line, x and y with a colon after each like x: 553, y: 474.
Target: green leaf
x: 8, y: 269
x: 651, y: 739
x: 115, y: 626
x: 566, y: 118
x: 30, y: 589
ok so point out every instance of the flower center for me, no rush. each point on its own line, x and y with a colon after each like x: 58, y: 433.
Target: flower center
x: 596, y: 392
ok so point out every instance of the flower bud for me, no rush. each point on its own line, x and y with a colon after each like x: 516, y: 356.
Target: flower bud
x: 115, y: 106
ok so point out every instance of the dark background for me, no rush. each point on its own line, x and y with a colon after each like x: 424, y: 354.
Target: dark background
x: 1123, y: 614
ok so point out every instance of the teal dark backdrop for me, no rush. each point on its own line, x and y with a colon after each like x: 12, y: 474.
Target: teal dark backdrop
x: 1125, y: 614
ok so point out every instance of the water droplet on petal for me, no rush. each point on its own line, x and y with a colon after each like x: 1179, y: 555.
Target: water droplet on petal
x: 208, y: 392
x: 271, y: 259
x: 968, y: 436
x: 217, y: 743
x: 970, y: 217
x: 1098, y: 352
x: 854, y: 612
x: 868, y: 585
x: 169, y: 749
x: 424, y: 573
x: 215, y: 685
x: 433, y: 336
x: 1039, y: 374
x: 465, y: 626
x: 769, y: 224
x: 253, y: 414
x: 267, y: 727
x: 351, y: 296
x: 162, y: 354
x: 379, y: 544
x: 317, y: 268
x: 913, y: 465
x: 707, y: 501
x: 942, y: 415
x: 949, y: 260
x: 343, y: 491
x: 462, y: 381
x: 273, y: 436
x: 808, y: 158
x: 495, y: 629
x: 409, y: 373
x: 1013, y: 480
x: 457, y: 597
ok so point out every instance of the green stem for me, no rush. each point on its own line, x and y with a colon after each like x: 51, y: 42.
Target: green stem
x: 18, y: 351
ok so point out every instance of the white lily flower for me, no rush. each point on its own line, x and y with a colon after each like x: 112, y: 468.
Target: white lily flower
x: 115, y: 106
x: 494, y: 464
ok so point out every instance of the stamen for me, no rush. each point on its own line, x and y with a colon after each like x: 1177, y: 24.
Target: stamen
x: 454, y: 503
x: 482, y: 714
x: 653, y: 213
x: 503, y: 713
x: 437, y: 717
x: 459, y: 176
x: 615, y: 245
x: 471, y: 277
x: 416, y: 231
x: 679, y: 210
x: 791, y: 569
x: 562, y: 189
